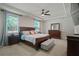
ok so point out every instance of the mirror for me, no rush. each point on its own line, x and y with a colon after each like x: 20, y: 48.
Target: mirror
x: 55, y: 26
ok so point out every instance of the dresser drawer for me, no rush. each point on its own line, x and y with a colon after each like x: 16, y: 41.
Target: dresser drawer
x: 13, y: 40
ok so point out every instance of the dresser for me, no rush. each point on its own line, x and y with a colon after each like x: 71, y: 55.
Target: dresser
x: 13, y: 39
x: 73, y: 45
x: 55, y: 34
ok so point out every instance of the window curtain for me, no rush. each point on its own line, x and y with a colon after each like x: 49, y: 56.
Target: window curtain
x: 3, y: 37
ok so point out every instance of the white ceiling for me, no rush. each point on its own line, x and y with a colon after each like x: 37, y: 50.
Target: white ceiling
x: 56, y: 9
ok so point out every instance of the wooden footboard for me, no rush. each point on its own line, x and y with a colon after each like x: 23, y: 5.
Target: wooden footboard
x: 38, y: 42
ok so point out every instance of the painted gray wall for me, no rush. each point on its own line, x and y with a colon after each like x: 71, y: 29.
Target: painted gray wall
x: 75, y: 16
x: 76, y: 19
x: 75, y: 13
x: 66, y: 23
x: 74, y: 6
x: 26, y: 21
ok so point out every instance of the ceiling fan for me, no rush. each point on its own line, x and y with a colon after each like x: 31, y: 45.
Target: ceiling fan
x: 45, y: 12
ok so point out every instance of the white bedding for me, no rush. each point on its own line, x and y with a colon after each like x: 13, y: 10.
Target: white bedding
x: 32, y: 38
x: 39, y: 35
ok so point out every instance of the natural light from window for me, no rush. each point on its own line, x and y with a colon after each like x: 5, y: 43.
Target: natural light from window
x: 37, y: 25
x: 12, y: 21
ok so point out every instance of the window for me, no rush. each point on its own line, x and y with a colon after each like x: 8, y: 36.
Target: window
x: 37, y: 25
x: 12, y: 22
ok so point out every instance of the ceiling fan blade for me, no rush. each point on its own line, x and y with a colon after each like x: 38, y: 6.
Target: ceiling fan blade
x: 42, y: 12
x: 47, y: 11
x: 46, y: 14
x: 42, y: 9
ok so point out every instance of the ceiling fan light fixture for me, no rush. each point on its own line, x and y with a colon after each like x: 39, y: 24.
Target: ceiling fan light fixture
x: 42, y: 15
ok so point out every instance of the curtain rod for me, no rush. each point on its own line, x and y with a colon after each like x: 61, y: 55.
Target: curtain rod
x: 10, y: 12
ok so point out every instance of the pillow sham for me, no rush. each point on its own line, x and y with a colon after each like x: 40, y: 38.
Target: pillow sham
x: 32, y: 32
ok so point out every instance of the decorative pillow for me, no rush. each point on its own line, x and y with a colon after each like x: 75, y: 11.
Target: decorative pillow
x: 32, y: 32
x: 26, y: 32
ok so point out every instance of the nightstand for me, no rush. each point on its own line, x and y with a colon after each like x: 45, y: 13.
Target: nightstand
x: 13, y: 39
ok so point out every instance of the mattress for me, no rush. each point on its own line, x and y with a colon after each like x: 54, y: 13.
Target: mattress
x: 32, y: 38
x: 38, y: 35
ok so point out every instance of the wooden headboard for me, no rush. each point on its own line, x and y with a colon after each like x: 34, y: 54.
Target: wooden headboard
x: 26, y: 28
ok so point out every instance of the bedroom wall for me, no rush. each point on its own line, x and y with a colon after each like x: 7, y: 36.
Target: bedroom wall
x: 42, y: 27
x: 66, y: 23
x: 26, y: 21
x: 75, y: 16
x: 75, y: 13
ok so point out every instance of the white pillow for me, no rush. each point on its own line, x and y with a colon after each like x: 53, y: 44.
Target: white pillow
x: 32, y: 32
x: 26, y: 32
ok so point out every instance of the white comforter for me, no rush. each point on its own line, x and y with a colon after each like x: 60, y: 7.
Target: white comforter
x: 32, y: 38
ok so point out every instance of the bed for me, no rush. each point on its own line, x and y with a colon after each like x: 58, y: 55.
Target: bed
x: 33, y: 40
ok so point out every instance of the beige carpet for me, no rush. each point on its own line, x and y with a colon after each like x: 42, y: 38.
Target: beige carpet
x: 60, y: 49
